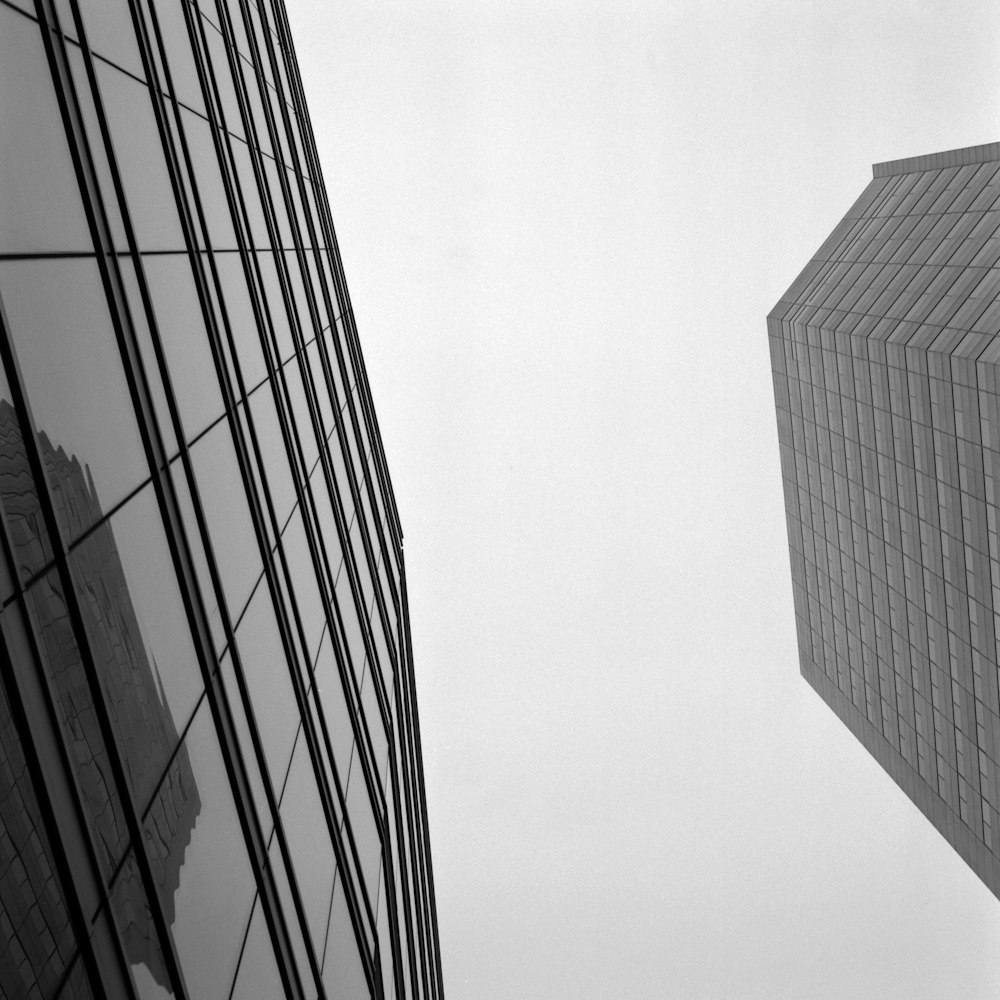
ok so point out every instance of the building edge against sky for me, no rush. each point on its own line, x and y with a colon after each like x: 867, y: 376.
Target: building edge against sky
x: 885, y: 356
x: 210, y: 773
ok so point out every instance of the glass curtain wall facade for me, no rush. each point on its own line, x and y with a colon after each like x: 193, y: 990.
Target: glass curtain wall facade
x: 885, y: 356
x: 210, y: 774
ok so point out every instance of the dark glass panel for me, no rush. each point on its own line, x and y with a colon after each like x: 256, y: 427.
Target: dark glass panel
x: 78, y: 716
x: 306, y: 592
x: 308, y: 839
x: 364, y: 574
x: 141, y: 161
x: 73, y: 375
x: 328, y: 534
x: 336, y: 713
x: 223, y: 497
x: 314, y: 278
x: 386, y: 638
x: 276, y: 305
x: 319, y: 275
x: 274, y: 175
x: 197, y: 550
x: 300, y: 410
x: 341, y: 483
x: 209, y: 188
x: 300, y: 659
x: 242, y: 322
x: 386, y: 664
x: 271, y: 97
x: 198, y: 855
x: 257, y: 977
x: 304, y: 170
x: 373, y: 717
x: 352, y: 627
x: 154, y: 376
x: 274, y: 455
x: 29, y: 538
x: 296, y: 213
x: 139, y: 637
x: 250, y: 193
x: 269, y: 682
x: 36, y: 939
x: 295, y: 930
x: 298, y: 288
x: 343, y: 968
x: 361, y: 816
x: 40, y: 206
x: 329, y: 268
x: 242, y: 728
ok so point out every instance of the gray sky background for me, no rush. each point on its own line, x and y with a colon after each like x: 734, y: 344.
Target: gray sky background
x: 563, y: 225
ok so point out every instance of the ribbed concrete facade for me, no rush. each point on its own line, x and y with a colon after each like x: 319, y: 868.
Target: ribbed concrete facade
x: 885, y: 356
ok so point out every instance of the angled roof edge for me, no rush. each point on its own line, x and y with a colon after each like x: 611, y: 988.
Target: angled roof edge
x: 934, y: 161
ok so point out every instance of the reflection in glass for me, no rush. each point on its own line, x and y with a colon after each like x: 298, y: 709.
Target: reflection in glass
x: 36, y: 941
x: 138, y: 932
x: 139, y: 637
x: 72, y: 369
x: 132, y: 687
x: 208, y: 893
x: 77, y: 986
x: 28, y: 537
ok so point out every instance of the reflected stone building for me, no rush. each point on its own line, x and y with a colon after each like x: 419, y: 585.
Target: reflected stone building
x: 141, y: 721
x: 885, y: 355
x: 210, y: 773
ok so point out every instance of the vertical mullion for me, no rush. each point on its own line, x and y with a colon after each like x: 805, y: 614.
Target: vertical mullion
x: 414, y: 741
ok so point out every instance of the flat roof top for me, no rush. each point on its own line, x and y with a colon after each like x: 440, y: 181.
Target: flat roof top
x: 934, y: 161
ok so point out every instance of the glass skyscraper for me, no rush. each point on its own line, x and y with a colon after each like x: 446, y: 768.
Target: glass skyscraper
x: 885, y: 356
x: 210, y: 774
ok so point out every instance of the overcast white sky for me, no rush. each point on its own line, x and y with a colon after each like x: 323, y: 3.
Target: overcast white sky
x: 563, y: 225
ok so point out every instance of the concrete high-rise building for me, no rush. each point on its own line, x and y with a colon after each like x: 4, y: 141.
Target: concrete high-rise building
x: 210, y: 776
x: 885, y: 355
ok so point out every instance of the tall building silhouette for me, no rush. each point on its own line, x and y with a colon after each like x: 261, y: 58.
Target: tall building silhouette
x: 210, y: 772
x: 885, y: 356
